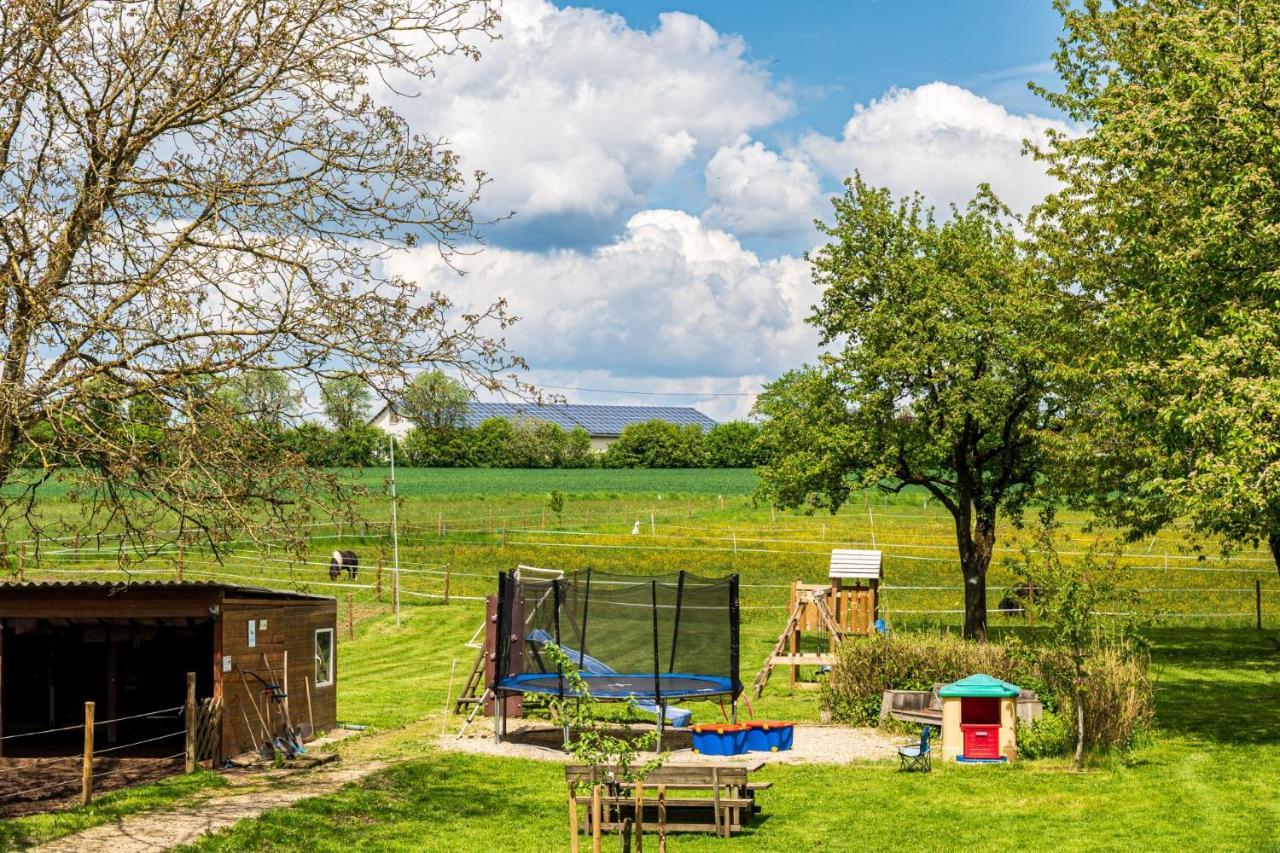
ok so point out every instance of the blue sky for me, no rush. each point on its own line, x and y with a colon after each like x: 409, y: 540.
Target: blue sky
x: 657, y: 167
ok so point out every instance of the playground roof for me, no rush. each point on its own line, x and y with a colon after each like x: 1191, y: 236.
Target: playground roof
x: 980, y: 686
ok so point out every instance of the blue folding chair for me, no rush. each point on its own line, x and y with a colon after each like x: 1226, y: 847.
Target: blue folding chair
x: 916, y: 757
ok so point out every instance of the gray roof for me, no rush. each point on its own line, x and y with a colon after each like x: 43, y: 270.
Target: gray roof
x: 597, y: 420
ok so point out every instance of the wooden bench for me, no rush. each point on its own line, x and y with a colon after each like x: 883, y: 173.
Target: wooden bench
x: 699, y: 797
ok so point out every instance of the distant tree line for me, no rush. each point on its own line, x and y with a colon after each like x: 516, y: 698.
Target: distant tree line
x: 437, y: 404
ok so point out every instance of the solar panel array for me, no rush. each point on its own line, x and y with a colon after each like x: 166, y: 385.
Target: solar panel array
x: 597, y: 420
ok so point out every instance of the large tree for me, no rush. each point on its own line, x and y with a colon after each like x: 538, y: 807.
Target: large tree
x: 1169, y: 217
x: 345, y: 400
x: 435, y: 401
x: 193, y: 190
x: 940, y: 338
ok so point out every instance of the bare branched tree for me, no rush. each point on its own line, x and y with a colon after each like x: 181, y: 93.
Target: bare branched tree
x: 193, y: 189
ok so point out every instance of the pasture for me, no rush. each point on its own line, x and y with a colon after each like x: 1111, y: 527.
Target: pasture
x: 1204, y: 779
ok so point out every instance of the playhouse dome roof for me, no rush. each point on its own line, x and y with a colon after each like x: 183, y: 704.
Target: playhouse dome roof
x: 980, y: 685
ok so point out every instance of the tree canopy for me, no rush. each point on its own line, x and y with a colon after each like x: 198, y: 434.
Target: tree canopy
x: 1167, y: 217
x: 940, y: 337
x: 191, y: 191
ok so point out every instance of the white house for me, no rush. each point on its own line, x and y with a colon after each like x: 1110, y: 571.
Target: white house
x: 603, y: 423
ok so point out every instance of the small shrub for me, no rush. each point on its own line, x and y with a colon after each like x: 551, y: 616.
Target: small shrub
x: 1048, y: 737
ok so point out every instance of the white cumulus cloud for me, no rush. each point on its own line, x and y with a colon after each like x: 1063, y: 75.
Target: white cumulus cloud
x: 942, y: 140
x: 753, y: 190
x: 669, y: 299
x: 575, y: 114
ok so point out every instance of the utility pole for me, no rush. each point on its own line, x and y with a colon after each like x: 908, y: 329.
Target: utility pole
x: 395, y: 534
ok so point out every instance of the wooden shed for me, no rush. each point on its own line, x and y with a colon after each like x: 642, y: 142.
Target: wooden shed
x: 128, y: 648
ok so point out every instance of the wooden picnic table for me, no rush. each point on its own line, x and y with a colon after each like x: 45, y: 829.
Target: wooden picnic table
x: 707, y: 797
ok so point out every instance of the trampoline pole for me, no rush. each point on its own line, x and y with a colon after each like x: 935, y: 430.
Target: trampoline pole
x: 497, y: 718
x: 662, y: 718
x: 734, y: 712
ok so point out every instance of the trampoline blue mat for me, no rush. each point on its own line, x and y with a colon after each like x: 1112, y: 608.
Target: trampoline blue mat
x: 620, y: 685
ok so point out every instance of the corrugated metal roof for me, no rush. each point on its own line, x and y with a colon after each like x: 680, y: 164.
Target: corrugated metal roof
x: 603, y: 421
x: 157, y: 584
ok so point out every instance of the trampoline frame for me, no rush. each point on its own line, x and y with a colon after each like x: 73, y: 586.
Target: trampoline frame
x: 503, y: 686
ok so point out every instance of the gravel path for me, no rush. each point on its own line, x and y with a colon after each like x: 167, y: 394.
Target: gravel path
x: 813, y: 745
x: 164, y: 829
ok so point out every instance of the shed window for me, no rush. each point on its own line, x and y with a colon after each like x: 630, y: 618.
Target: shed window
x: 324, y: 657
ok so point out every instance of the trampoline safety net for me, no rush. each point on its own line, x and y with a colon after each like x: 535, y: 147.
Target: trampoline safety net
x: 651, y: 638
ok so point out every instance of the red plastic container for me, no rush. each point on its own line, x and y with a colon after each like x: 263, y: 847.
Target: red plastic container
x: 981, y: 740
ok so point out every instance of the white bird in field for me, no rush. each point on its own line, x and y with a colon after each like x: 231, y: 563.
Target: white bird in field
x: 635, y: 531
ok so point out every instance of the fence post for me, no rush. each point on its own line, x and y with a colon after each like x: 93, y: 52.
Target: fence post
x: 86, y: 773
x: 440, y: 524
x: 447, y: 570
x: 179, y: 561
x: 573, y: 817
x: 351, y: 619
x: 378, y: 580
x: 653, y: 527
x: 1257, y: 598
x: 504, y: 536
x: 22, y: 561
x: 662, y: 819
x: 189, y: 766
x: 595, y: 819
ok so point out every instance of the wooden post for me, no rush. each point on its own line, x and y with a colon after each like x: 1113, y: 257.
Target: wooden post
x: 86, y: 769
x: 573, y: 817
x: 190, y: 711
x: 595, y: 819
x: 639, y: 817
x: 22, y: 561
x: 504, y: 536
x: 378, y: 579
x: 447, y: 570
x: 662, y: 819
x: 440, y: 523
x: 351, y: 619
x: 311, y: 718
x: 1257, y: 598
x: 653, y: 528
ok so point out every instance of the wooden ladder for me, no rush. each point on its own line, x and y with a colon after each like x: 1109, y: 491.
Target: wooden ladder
x: 818, y: 600
x: 473, y: 692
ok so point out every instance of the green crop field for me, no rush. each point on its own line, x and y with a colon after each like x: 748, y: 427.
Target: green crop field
x: 415, y: 482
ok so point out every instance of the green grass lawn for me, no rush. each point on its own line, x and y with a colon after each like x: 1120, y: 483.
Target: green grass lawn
x: 1202, y: 782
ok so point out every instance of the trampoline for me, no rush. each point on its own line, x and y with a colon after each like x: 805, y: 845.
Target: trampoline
x: 643, y: 639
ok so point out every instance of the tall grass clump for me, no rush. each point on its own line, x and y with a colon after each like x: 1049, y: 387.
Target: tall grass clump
x: 1118, y: 695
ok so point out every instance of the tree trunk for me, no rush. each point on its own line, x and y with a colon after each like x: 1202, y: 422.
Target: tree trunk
x: 976, y: 544
x: 1079, y: 730
x: 1274, y: 541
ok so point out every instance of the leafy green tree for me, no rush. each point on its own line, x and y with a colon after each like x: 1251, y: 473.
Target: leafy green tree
x: 1168, y: 218
x: 492, y: 442
x: 266, y: 397
x: 357, y: 446
x: 732, y: 445
x: 577, y: 449
x: 345, y: 400
x: 435, y: 400
x: 312, y: 442
x: 656, y: 444
x: 941, y: 338
x: 444, y: 447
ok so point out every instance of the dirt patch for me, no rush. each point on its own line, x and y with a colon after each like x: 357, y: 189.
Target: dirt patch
x: 31, y: 785
x: 813, y: 745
